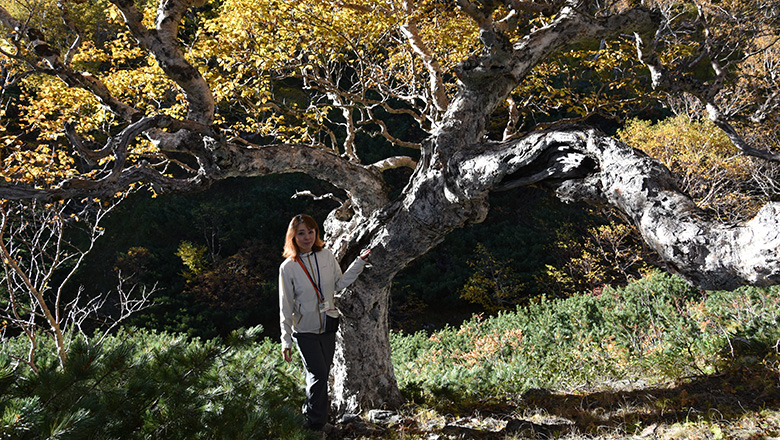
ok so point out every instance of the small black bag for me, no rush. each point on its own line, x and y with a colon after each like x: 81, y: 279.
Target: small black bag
x: 331, y: 324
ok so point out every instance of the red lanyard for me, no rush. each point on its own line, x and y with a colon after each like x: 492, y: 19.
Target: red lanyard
x: 317, y: 290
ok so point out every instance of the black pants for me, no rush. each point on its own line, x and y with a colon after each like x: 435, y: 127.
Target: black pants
x: 317, y: 353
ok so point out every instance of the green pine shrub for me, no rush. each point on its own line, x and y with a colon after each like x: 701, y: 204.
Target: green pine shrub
x: 657, y: 328
x: 142, y: 384
x: 148, y: 385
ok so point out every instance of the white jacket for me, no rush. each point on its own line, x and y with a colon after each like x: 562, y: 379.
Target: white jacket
x: 299, y: 309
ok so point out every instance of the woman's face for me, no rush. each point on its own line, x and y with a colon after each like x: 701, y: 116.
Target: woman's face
x: 304, y: 238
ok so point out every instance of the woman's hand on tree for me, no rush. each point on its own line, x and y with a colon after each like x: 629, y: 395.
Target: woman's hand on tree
x: 287, y: 353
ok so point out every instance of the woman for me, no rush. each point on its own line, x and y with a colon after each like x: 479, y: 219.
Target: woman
x: 308, y: 278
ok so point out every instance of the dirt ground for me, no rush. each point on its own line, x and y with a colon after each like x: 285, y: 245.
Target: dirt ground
x: 743, y: 404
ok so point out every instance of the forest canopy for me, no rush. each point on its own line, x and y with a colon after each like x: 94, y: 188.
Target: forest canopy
x: 322, y: 73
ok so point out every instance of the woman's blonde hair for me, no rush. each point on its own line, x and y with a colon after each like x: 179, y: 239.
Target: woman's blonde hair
x: 290, y: 247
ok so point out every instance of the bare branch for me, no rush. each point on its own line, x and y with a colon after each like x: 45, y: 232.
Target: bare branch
x: 10, y: 263
x: 307, y: 193
x: 383, y: 131
x: 128, y: 302
x: 678, y: 81
x: 73, y: 28
x: 412, y: 34
x: 395, y: 162
x: 348, y: 102
x: 33, y: 248
x: 163, y: 44
x: 63, y: 71
x: 586, y: 165
x: 349, y: 126
x: 363, y: 184
x: 721, y: 122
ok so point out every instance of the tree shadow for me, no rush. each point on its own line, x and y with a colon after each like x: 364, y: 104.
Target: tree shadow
x: 738, y: 395
x: 727, y: 397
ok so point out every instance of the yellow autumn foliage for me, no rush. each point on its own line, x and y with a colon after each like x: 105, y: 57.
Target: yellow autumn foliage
x: 705, y: 162
x: 281, y: 70
x: 265, y: 52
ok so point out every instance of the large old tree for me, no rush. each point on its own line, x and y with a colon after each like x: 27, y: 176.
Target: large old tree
x: 473, y: 96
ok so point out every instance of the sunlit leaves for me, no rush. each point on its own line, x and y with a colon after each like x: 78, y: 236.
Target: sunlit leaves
x: 599, y: 255
x: 320, y: 72
x: 44, y: 164
x: 44, y: 14
x: 39, y: 151
x: 343, y: 54
x: 606, y: 81
x: 255, y: 45
x: 54, y: 103
x: 193, y: 256
x: 42, y: 158
x: 704, y: 160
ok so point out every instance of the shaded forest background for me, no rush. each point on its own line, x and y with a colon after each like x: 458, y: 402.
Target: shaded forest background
x: 214, y: 257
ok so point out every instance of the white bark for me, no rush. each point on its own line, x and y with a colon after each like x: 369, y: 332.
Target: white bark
x: 162, y: 42
x: 412, y: 34
x: 588, y: 165
x: 363, y: 377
